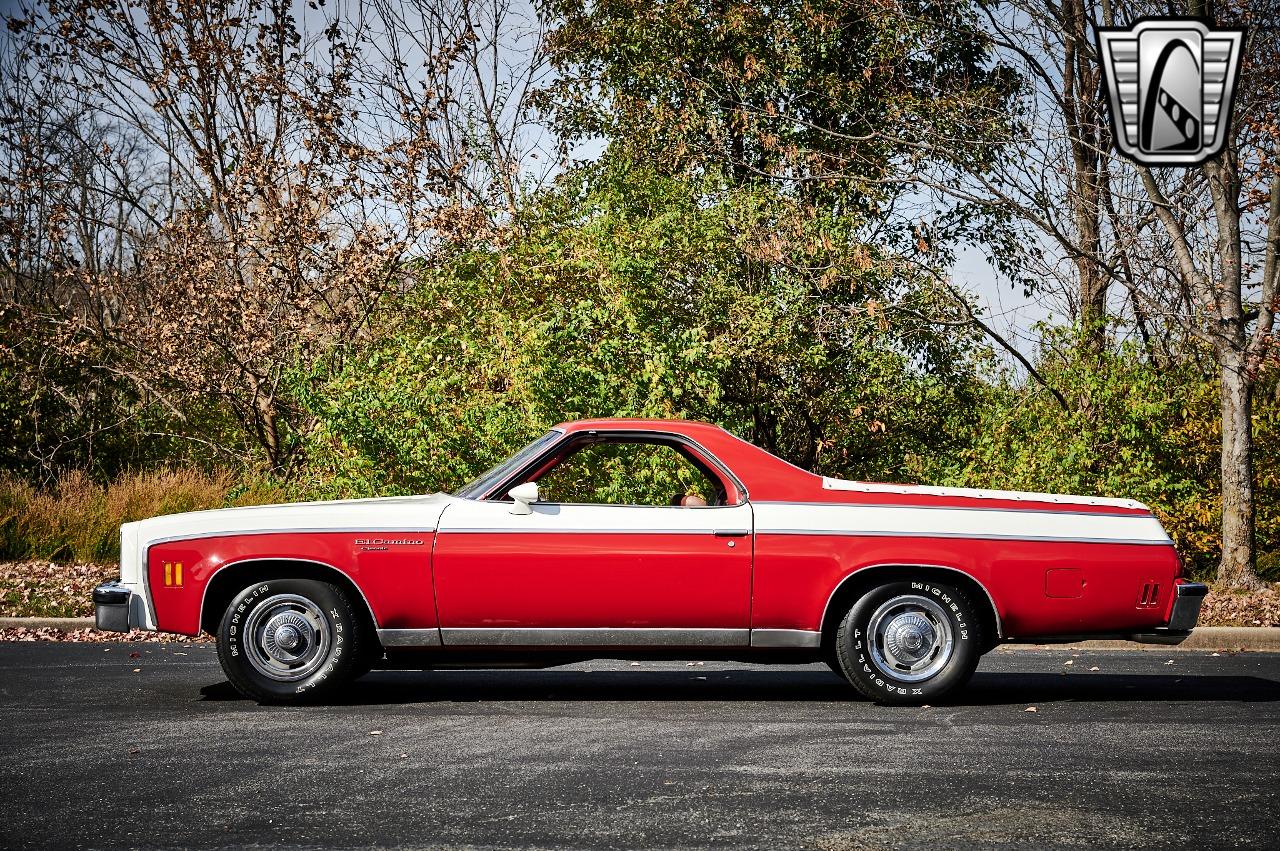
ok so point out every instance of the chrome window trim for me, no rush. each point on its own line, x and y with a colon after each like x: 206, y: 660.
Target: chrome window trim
x: 512, y: 481
x: 496, y: 467
x: 995, y: 610
x: 593, y: 637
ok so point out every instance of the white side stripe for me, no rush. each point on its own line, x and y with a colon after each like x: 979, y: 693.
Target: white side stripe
x: 976, y: 493
x: 798, y: 519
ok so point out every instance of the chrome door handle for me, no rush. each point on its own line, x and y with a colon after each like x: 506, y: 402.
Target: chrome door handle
x: 731, y: 533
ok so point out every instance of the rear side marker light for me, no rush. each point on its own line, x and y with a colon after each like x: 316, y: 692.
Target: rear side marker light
x: 173, y: 574
x: 1150, y: 595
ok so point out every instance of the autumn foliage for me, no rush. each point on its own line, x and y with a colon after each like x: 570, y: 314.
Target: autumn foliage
x: 261, y: 250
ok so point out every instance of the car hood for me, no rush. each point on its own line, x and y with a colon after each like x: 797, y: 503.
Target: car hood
x: 386, y: 514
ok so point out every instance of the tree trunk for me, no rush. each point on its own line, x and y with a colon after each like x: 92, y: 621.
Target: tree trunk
x: 1079, y: 98
x: 1236, y: 569
x: 1238, y: 557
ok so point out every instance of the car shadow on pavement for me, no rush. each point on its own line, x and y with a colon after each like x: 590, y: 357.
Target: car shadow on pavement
x: 985, y: 689
x: 997, y: 689
x: 392, y: 687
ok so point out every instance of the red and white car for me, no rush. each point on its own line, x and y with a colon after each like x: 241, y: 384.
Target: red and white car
x: 899, y: 588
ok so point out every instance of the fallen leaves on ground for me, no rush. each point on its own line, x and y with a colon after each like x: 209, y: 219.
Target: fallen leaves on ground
x: 93, y: 635
x: 45, y: 589
x: 1242, y: 608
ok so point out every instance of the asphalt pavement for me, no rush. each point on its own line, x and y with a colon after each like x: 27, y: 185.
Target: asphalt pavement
x: 102, y: 749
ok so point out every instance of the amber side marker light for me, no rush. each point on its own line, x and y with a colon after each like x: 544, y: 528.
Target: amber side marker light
x: 173, y: 574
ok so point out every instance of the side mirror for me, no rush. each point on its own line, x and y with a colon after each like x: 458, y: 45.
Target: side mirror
x: 524, y: 495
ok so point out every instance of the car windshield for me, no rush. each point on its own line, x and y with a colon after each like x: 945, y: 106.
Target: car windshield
x: 487, y: 480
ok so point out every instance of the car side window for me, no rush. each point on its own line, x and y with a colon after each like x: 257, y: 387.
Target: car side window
x: 627, y: 473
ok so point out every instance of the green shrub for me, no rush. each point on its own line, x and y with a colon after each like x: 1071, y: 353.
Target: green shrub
x: 630, y: 294
x: 1269, y: 566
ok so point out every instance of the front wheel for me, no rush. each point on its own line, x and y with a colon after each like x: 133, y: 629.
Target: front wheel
x: 909, y: 642
x: 287, y: 640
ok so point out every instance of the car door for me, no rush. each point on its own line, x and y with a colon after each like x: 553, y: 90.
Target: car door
x: 601, y: 572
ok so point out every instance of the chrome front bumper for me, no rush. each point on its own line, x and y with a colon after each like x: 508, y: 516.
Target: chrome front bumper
x: 111, y: 606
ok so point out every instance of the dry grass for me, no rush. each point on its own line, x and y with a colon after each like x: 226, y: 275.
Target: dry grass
x: 78, y: 520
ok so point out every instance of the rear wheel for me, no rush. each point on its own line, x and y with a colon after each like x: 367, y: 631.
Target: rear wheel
x: 288, y: 640
x: 909, y: 642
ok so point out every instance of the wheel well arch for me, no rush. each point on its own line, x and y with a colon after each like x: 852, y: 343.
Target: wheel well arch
x: 864, y: 579
x: 229, y: 579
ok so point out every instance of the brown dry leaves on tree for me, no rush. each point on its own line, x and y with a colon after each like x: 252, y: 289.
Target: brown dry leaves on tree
x: 293, y: 177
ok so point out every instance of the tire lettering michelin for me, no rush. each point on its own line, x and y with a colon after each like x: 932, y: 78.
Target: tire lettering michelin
x: 962, y: 626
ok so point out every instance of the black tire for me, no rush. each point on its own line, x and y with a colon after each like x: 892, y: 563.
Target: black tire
x: 254, y: 632
x: 911, y: 617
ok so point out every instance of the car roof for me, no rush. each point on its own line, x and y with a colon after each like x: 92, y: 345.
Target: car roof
x: 637, y: 424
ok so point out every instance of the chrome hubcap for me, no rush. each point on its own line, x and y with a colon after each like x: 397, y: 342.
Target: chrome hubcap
x: 910, y: 637
x: 287, y: 637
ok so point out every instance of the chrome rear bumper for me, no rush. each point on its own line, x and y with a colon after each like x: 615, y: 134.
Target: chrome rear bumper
x: 1189, y: 596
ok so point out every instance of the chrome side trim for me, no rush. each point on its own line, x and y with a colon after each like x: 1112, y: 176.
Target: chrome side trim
x: 594, y: 637
x: 976, y: 536
x: 995, y: 610
x: 204, y: 595
x: 409, y: 637
x: 785, y: 638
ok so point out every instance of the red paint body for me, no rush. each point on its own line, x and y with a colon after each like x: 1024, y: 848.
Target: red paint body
x: 640, y: 578
x: 584, y: 580
x: 396, y: 583
x: 794, y: 576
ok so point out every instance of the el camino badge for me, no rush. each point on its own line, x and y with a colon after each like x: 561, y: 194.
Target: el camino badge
x: 378, y: 544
